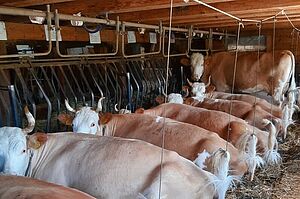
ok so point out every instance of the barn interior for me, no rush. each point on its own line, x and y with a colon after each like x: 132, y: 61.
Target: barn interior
x: 54, y: 50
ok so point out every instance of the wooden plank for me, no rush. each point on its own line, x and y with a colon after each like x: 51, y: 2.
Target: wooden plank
x: 27, y: 3
x: 96, y: 7
x: 15, y: 31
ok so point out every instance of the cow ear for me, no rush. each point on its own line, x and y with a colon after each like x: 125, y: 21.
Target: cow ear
x: 160, y: 99
x: 140, y: 111
x: 105, y: 118
x: 66, y: 119
x: 36, y: 140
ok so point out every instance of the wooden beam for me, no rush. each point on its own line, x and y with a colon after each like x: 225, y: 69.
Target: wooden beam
x: 99, y: 7
x: 28, y: 3
x: 236, y: 8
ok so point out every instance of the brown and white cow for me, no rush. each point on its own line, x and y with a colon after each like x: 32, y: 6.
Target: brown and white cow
x: 12, y: 187
x: 252, y: 114
x: 262, y: 103
x: 220, y: 122
x: 250, y: 76
x: 193, y: 140
x: 106, y: 167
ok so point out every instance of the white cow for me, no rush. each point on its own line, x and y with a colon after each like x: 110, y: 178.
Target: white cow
x: 105, y: 167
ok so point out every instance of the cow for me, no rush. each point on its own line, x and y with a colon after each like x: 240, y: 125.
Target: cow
x: 12, y: 187
x: 250, y: 76
x: 105, y: 167
x: 220, y: 122
x: 252, y: 114
x: 192, y: 139
x: 276, y: 111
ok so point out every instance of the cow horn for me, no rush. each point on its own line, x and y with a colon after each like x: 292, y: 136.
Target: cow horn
x: 31, y: 121
x: 69, y: 108
x: 190, y: 83
x: 116, y: 109
x: 99, y: 105
x: 208, y: 82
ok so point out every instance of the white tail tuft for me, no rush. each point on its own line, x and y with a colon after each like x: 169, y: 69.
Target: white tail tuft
x: 220, y: 167
x: 271, y: 156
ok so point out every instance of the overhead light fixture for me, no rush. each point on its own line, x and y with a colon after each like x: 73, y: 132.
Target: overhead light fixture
x: 77, y: 23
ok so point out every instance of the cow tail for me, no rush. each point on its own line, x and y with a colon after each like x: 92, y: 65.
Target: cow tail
x: 247, y: 148
x: 292, y: 86
x: 272, y: 156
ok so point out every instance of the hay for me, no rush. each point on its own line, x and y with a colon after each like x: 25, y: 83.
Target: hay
x: 279, y: 181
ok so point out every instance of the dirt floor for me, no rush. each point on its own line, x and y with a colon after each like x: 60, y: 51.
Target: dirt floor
x: 276, y: 182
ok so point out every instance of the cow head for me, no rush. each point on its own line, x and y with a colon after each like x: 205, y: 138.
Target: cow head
x: 197, y: 66
x: 198, y: 89
x: 175, y: 98
x: 15, y: 145
x: 86, y: 120
x: 171, y: 98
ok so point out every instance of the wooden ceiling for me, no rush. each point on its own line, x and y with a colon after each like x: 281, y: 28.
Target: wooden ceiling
x: 184, y: 14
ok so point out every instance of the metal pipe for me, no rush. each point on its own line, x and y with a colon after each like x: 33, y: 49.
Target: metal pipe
x: 128, y: 90
x: 48, y: 16
x: 57, y: 28
x: 13, y: 104
x: 140, y: 54
x: 173, y: 55
x: 4, y: 10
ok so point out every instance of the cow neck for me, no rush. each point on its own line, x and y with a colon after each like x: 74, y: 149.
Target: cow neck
x: 38, y: 157
x: 109, y: 129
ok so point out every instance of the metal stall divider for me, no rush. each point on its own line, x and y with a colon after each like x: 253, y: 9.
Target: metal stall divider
x: 68, y: 84
x: 49, y: 105
x: 6, y: 109
x: 85, y: 83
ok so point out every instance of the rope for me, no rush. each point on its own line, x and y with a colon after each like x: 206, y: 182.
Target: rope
x: 166, y: 91
x: 233, y: 82
x: 283, y: 12
x: 257, y: 66
x: 273, y: 61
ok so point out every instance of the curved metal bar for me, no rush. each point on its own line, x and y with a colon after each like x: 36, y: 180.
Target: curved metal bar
x: 57, y: 27
x: 68, y: 83
x: 49, y: 108
x: 141, y: 54
x: 48, y: 16
x: 26, y: 92
x: 99, y: 27
x: 86, y: 84
x: 82, y: 94
x: 94, y: 80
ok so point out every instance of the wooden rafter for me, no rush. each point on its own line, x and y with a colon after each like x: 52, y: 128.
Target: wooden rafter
x: 28, y: 3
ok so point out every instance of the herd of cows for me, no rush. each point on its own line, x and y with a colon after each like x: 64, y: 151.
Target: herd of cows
x: 194, y: 146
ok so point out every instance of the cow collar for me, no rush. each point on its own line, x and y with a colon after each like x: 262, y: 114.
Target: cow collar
x: 29, y: 163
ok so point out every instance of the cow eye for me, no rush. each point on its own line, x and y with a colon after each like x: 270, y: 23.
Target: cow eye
x: 24, y: 151
x: 93, y: 124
